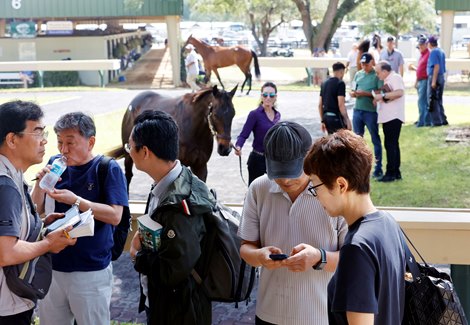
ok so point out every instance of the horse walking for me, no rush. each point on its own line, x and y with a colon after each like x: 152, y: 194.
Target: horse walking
x: 218, y: 57
x: 200, y: 116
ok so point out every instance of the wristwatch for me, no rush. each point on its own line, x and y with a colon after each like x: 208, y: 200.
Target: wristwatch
x: 77, y: 203
x: 321, y: 264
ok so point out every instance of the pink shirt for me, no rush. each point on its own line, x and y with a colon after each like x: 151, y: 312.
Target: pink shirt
x: 393, y: 109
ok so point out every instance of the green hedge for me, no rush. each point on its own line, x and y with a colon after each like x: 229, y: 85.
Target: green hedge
x: 61, y: 78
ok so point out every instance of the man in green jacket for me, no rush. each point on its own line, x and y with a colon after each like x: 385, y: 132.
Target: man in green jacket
x: 178, y: 200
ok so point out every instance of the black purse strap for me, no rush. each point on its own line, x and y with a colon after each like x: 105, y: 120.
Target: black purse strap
x: 411, y: 263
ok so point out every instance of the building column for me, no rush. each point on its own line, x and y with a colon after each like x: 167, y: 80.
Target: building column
x: 3, y: 25
x: 447, y: 25
x: 173, y: 33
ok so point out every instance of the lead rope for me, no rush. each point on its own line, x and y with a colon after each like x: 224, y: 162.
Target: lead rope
x: 240, y: 165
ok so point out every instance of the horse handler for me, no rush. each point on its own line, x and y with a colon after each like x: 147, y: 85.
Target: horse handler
x: 192, y: 67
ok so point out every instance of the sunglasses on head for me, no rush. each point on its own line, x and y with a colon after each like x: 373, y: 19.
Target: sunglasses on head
x: 271, y: 95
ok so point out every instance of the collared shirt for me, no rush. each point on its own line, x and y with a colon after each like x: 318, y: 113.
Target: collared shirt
x: 395, y: 58
x: 258, y: 122
x: 269, y: 216
x: 159, y: 188
x: 421, y: 73
x: 436, y: 56
x: 393, y: 109
x: 366, y: 81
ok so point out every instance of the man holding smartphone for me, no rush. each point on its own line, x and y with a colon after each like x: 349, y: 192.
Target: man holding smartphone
x: 281, y: 215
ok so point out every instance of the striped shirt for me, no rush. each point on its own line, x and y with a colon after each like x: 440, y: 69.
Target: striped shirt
x: 285, y: 297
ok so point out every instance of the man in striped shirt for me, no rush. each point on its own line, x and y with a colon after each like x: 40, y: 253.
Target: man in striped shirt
x: 282, y: 215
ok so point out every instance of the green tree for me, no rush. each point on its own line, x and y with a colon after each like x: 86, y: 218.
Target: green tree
x: 320, y: 35
x: 262, y: 16
x: 396, y: 17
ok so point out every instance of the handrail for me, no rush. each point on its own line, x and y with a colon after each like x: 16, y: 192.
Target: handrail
x: 440, y: 234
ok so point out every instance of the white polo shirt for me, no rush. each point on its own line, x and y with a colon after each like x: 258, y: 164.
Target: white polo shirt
x: 393, y: 109
x: 285, y: 297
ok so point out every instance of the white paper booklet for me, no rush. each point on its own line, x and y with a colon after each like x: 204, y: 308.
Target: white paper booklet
x: 86, y: 226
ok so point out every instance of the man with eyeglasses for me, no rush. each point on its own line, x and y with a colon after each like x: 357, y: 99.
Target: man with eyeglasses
x: 22, y: 144
x: 82, y: 275
x: 282, y: 215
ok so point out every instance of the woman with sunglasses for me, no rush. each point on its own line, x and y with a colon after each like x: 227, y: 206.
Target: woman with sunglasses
x: 259, y: 121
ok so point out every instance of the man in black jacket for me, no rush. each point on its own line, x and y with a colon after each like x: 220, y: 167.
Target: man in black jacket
x: 178, y: 200
x: 332, y: 107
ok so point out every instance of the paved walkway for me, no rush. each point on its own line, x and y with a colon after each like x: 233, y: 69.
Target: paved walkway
x: 125, y: 299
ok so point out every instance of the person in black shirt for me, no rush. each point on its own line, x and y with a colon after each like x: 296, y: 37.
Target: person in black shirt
x: 332, y: 107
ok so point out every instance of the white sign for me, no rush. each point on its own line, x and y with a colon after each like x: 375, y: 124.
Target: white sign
x: 59, y: 27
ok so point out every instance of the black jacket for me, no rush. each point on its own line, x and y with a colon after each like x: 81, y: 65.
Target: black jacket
x: 174, y: 296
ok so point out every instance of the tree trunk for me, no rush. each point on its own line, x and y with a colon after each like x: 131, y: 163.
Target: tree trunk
x: 304, y: 9
x: 320, y: 39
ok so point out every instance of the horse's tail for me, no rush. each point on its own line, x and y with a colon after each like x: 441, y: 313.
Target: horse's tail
x: 255, y: 59
x: 116, y: 153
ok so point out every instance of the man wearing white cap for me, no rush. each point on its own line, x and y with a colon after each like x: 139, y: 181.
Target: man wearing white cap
x: 192, y: 67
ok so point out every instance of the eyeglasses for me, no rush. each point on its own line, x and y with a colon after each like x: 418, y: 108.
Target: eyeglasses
x: 312, y: 188
x: 271, y: 95
x: 41, y: 134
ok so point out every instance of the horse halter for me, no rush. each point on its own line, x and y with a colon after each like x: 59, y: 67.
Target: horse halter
x: 212, y: 128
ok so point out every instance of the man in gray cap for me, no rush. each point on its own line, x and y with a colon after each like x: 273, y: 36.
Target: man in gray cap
x: 282, y: 215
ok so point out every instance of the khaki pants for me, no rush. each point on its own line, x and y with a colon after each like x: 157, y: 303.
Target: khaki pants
x: 191, y: 80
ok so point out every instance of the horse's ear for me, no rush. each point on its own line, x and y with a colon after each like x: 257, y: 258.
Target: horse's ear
x: 215, y: 91
x: 234, y: 90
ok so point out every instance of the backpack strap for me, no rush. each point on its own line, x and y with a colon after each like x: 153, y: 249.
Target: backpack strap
x: 103, y: 167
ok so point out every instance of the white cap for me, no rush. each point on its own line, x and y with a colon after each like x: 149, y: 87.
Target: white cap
x: 189, y: 47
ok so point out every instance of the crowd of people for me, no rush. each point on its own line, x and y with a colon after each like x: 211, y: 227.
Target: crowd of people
x: 309, y: 200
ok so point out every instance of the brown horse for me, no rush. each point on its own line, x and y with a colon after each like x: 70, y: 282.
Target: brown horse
x: 218, y: 57
x: 200, y: 116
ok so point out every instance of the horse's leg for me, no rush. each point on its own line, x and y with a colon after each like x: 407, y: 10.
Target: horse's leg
x: 128, y: 170
x: 243, y: 84
x: 217, y: 74
x: 207, y: 77
x: 249, y: 78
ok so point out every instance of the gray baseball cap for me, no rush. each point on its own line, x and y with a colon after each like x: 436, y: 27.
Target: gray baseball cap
x: 285, y: 146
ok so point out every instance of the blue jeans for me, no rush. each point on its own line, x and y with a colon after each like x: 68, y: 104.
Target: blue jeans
x: 369, y: 119
x: 424, y: 117
x: 438, y: 116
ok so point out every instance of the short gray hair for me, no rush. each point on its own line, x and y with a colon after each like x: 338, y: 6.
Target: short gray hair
x: 76, y: 121
x: 385, y: 65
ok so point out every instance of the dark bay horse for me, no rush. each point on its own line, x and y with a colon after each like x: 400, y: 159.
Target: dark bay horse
x: 200, y: 116
x: 218, y: 57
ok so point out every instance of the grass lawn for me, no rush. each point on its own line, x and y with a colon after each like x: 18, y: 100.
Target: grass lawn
x: 435, y: 172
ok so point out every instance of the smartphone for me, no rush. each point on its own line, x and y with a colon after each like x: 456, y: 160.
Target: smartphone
x: 278, y: 257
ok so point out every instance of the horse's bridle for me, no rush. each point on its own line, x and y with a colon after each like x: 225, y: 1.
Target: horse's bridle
x: 212, y: 128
